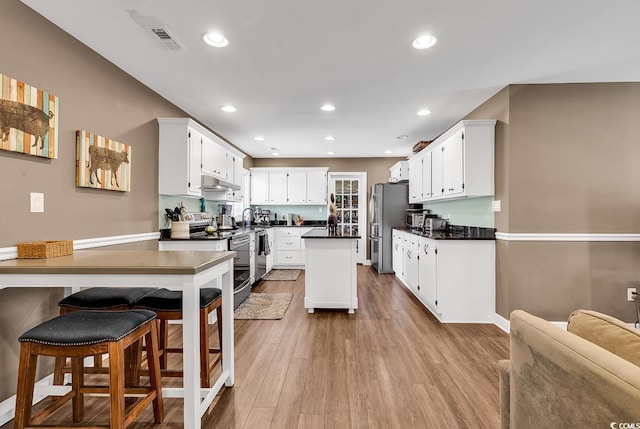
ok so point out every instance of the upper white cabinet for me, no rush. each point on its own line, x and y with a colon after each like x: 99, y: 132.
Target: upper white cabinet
x: 399, y: 171
x: 317, y: 186
x: 288, y: 185
x: 179, y: 158
x: 187, y: 151
x: 461, y: 163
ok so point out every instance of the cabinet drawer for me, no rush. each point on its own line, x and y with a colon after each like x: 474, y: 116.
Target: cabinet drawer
x: 287, y: 232
x: 288, y: 243
x: 288, y: 257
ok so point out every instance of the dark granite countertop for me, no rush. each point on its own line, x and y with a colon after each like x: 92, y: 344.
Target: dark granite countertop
x: 219, y: 235
x: 324, y: 234
x: 455, y: 232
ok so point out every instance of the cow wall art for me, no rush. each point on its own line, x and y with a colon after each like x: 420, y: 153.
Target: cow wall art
x: 28, y: 119
x: 102, y: 163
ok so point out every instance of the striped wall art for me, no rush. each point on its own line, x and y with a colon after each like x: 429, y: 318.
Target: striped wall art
x: 102, y: 163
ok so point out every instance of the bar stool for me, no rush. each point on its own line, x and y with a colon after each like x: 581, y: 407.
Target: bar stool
x: 167, y: 305
x: 96, y: 298
x: 85, y: 333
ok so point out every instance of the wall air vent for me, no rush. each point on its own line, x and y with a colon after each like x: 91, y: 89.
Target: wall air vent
x: 164, y: 36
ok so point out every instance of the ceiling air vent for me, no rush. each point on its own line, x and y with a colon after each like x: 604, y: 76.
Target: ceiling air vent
x: 164, y: 36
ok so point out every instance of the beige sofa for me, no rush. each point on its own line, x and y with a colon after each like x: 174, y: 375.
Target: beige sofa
x: 588, y: 377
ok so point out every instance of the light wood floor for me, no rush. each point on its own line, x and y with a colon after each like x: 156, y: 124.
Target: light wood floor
x: 391, y: 365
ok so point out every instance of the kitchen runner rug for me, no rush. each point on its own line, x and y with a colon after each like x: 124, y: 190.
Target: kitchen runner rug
x: 282, y: 275
x: 263, y: 306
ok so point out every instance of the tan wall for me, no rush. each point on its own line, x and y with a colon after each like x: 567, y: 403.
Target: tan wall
x: 566, y: 157
x: 96, y: 96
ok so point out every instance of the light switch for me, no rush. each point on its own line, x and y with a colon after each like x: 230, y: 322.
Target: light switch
x: 495, y: 206
x: 37, y: 202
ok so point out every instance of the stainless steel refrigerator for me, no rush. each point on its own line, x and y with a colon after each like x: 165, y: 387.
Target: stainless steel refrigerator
x: 387, y: 209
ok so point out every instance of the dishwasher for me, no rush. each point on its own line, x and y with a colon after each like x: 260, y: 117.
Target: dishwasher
x: 262, y: 250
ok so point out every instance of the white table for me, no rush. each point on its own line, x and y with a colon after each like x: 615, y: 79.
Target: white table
x: 185, y: 271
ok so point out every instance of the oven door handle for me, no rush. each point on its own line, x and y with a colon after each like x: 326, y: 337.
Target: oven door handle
x: 235, y: 291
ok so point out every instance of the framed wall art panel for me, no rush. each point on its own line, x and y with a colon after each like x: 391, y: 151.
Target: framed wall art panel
x: 28, y: 119
x: 102, y: 163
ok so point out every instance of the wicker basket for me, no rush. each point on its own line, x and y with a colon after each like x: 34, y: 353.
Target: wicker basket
x: 44, y: 249
x: 421, y: 145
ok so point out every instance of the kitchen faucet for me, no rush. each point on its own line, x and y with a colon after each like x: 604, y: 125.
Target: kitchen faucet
x: 248, y: 222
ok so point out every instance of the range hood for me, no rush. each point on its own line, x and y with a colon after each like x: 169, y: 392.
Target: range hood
x: 210, y: 183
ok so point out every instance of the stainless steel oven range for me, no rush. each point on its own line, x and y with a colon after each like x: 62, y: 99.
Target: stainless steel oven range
x: 241, y: 267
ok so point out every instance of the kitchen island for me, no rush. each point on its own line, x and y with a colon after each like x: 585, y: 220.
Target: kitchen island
x: 184, y: 271
x: 331, y: 276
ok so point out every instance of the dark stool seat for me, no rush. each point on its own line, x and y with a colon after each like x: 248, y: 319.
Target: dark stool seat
x: 168, y: 306
x: 85, y: 333
x: 105, y: 298
x: 96, y: 298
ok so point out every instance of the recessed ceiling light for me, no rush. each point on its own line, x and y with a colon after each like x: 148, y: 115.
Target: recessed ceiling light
x: 275, y: 153
x: 330, y: 138
x: 423, y: 112
x: 388, y: 152
x: 216, y: 40
x: 328, y: 107
x: 402, y: 137
x: 228, y: 108
x: 424, y: 42
x: 331, y: 152
x: 259, y: 138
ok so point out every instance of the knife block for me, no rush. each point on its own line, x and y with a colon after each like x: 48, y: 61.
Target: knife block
x: 180, y: 229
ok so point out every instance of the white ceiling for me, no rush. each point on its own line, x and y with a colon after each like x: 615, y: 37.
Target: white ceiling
x: 288, y: 57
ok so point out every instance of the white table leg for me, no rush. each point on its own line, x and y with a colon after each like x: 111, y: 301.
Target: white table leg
x: 191, y: 355
x: 227, y: 324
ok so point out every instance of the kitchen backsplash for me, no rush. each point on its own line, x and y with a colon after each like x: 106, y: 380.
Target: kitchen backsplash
x: 306, y: 212
x: 191, y: 204
x: 467, y: 211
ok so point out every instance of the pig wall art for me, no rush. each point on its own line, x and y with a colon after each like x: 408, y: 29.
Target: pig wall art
x: 102, y: 163
x: 28, y: 119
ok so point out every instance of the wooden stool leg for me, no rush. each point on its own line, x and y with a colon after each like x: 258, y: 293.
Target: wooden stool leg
x: 155, y: 382
x: 116, y: 384
x: 164, y: 342
x: 26, y: 384
x: 58, y: 373
x: 204, y: 348
x: 219, y: 323
x: 77, y: 383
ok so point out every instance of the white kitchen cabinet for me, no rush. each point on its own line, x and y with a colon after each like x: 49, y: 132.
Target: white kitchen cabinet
x: 399, y: 171
x: 214, y: 159
x: 259, y: 187
x: 462, y: 163
x: 287, y: 186
x: 457, y: 279
x: 398, y: 253
x: 289, y: 249
x: 270, y: 256
x: 186, y: 151
x: 194, y: 245
x: 453, y: 164
x: 317, y: 186
x: 278, y: 182
x: 410, y: 262
x: 415, y: 179
x: 427, y: 272
x: 179, y: 158
x: 297, y: 187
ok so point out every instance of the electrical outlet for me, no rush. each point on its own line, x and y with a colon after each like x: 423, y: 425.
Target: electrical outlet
x: 630, y: 292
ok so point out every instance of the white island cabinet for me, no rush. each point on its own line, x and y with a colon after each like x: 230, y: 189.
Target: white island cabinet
x: 331, y: 277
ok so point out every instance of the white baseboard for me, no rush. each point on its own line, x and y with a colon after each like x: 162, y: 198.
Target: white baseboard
x: 522, y: 236
x: 367, y: 262
x: 505, y: 325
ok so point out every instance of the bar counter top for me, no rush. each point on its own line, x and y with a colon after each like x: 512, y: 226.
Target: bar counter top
x: 117, y: 261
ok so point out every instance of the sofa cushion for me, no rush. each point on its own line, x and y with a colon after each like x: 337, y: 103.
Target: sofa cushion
x: 558, y: 379
x: 607, y: 332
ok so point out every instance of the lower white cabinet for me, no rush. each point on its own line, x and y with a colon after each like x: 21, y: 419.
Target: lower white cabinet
x: 455, y: 279
x: 289, y: 247
x: 252, y: 257
x: 398, y: 253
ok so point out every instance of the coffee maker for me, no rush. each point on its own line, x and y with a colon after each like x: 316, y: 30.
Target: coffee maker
x: 225, y: 220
